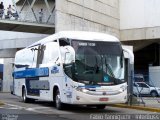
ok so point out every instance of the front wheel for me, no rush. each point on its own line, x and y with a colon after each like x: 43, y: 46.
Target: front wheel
x: 58, y: 103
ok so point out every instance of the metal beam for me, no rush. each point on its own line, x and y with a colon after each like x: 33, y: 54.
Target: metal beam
x: 31, y: 7
x: 13, y: 1
x: 25, y: 26
x: 51, y: 14
x: 23, y: 6
x: 49, y: 10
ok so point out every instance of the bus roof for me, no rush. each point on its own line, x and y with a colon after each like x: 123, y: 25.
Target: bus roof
x: 79, y: 35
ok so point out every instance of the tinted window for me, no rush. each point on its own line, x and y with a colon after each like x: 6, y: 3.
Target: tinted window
x: 142, y: 85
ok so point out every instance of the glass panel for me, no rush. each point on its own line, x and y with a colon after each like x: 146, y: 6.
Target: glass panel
x: 48, y: 54
x: 99, y: 62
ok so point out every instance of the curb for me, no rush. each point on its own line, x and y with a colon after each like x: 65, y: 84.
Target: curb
x: 137, y: 107
x: 1, y: 103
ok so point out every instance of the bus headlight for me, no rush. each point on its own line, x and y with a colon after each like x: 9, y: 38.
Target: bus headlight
x: 122, y: 88
x: 81, y: 89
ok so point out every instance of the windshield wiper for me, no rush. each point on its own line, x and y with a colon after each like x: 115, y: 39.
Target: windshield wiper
x: 109, y: 69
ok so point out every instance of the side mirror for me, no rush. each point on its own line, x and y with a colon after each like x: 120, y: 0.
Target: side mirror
x: 128, y: 54
x: 67, y: 58
x: 69, y: 55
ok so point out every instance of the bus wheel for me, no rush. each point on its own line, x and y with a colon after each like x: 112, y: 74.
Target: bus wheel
x: 100, y: 106
x: 24, y: 98
x: 58, y: 103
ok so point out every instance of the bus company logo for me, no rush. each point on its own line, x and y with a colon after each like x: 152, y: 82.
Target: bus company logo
x: 54, y: 70
x: 106, y: 79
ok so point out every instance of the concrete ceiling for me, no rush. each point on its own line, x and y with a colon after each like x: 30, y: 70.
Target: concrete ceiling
x: 140, y: 44
x: 11, y: 25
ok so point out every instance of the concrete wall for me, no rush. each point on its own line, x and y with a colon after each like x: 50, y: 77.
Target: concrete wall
x: 154, y: 75
x: 139, y: 13
x: 10, y: 40
x: 139, y: 19
x: 90, y: 15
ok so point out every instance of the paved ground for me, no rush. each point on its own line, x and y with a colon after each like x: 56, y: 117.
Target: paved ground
x: 150, y: 102
x: 42, y: 110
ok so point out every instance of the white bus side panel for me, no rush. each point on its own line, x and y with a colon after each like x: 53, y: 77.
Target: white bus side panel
x: 18, y: 83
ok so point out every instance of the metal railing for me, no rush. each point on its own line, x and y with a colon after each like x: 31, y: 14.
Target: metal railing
x: 143, y: 93
x: 25, y: 16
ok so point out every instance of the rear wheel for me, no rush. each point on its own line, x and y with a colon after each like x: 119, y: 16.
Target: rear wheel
x: 24, y: 97
x: 58, y: 103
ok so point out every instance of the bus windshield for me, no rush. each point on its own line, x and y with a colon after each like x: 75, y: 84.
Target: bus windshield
x: 98, y: 62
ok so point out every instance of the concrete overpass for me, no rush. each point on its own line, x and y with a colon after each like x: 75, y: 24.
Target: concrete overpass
x: 24, y: 26
x: 25, y: 17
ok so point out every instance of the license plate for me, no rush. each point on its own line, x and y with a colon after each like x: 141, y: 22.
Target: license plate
x: 103, y: 99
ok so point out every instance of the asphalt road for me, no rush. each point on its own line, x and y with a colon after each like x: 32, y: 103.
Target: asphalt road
x: 15, y: 109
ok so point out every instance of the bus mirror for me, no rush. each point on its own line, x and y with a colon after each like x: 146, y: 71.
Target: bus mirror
x: 69, y: 55
x: 128, y: 54
x: 121, y: 60
x: 67, y: 59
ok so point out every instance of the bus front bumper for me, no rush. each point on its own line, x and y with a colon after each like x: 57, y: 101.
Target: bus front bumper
x: 87, y: 99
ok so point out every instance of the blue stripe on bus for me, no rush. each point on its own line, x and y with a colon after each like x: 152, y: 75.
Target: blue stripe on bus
x: 89, y: 86
x: 33, y: 72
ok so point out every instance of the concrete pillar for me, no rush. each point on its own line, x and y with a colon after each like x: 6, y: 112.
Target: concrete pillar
x: 7, y: 74
x: 159, y: 53
x: 7, y: 53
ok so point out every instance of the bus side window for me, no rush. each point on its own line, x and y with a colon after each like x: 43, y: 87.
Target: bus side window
x: 32, y: 56
x: 40, y: 54
x: 50, y: 54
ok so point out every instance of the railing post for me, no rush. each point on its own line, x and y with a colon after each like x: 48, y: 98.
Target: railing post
x: 31, y: 7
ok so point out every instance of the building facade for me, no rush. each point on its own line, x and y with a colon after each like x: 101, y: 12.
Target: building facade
x: 140, y: 27
x: 88, y: 15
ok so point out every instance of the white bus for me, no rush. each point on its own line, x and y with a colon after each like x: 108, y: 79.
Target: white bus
x: 72, y: 67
